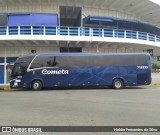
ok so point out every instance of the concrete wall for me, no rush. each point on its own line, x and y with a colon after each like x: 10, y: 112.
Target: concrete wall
x: 107, y: 12
x: 30, y: 7
x: 53, y: 7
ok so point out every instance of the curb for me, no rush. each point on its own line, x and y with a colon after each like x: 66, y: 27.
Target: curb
x: 155, y: 84
x: 8, y: 88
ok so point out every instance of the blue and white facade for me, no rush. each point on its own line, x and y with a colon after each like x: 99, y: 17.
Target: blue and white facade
x: 88, y: 25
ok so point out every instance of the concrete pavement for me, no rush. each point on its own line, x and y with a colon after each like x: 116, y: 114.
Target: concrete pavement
x: 131, y: 106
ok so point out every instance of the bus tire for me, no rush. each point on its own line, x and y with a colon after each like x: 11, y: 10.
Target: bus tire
x: 36, y: 85
x: 117, y: 84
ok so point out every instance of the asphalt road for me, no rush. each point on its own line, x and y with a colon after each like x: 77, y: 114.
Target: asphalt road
x: 135, y: 106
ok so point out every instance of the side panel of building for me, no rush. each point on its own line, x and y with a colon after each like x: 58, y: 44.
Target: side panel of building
x: 34, y: 19
x: 1, y: 74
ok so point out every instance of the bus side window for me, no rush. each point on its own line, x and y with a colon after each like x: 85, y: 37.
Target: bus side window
x: 51, y: 61
x: 51, y: 64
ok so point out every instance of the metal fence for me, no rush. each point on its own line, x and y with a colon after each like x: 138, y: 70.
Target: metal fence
x: 78, y: 31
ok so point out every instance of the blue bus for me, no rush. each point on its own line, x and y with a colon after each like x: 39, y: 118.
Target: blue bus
x: 50, y: 70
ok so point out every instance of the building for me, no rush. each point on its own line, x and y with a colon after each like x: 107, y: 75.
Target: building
x: 28, y: 26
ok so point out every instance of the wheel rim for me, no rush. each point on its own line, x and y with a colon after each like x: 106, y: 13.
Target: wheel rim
x: 36, y: 85
x: 118, y: 84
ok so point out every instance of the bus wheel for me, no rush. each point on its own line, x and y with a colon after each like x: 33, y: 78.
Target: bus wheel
x: 37, y: 85
x: 117, y: 84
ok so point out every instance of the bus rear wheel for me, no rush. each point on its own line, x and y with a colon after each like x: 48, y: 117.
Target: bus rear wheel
x: 117, y: 84
x: 36, y: 85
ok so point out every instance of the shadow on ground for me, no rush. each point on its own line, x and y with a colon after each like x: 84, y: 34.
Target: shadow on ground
x: 76, y: 88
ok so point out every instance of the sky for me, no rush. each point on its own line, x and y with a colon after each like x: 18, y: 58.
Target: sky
x: 156, y: 1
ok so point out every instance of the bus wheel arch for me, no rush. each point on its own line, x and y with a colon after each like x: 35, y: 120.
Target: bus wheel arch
x: 117, y: 83
x: 36, y: 84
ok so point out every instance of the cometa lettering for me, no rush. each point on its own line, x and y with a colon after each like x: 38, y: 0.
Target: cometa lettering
x: 53, y: 72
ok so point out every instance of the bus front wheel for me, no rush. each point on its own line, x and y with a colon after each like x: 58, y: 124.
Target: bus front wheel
x: 36, y: 85
x: 117, y: 84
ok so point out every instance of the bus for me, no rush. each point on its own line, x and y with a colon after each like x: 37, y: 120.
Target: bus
x: 50, y: 70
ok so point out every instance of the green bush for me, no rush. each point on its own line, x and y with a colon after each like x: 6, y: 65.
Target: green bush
x: 155, y: 66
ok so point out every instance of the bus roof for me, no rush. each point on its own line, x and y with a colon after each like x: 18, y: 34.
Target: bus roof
x: 83, y: 54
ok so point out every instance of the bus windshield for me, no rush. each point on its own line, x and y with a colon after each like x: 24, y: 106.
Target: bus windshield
x: 19, y: 69
x: 21, y: 65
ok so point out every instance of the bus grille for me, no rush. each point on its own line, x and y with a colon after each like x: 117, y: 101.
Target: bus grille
x: 141, y: 78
